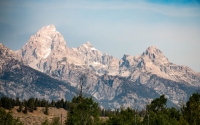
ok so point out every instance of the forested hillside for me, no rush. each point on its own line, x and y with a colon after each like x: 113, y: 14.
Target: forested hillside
x: 82, y: 110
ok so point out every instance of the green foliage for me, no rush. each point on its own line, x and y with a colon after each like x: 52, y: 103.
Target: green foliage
x: 17, y: 102
x: 83, y: 111
x: 158, y: 114
x: 191, y: 112
x: 20, y: 107
x: 157, y: 104
x: 124, y: 117
x: 55, y: 121
x: 25, y: 111
x: 46, y: 111
x: 8, y: 119
x: 182, y: 121
x: 46, y: 122
x: 6, y: 103
x: 31, y: 104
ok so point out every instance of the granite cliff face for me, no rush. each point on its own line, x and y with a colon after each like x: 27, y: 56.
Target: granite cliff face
x: 19, y: 80
x: 131, y: 81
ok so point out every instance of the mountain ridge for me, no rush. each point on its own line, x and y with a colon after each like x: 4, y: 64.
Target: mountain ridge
x: 110, y: 81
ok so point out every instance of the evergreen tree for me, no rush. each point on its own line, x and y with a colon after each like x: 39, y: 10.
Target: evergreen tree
x: 83, y: 111
x: 66, y: 105
x: 46, y: 111
x: 56, y: 121
x: 62, y: 103
x: 6, y: 103
x: 191, y: 112
x: 8, y: 119
x: 17, y: 101
x: 158, y: 104
x: 158, y: 114
x: 36, y: 104
x: 25, y: 109
x: 52, y: 103
x: 46, y: 122
x: 20, y: 107
x: 43, y: 103
x: 31, y: 104
x: 124, y: 117
x: 12, y: 102
x: 0, y: 103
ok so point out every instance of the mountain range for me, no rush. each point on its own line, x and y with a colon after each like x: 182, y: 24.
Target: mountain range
x: 46, y: 68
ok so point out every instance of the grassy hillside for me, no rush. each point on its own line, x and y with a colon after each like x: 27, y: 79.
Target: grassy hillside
x: 37, y: 117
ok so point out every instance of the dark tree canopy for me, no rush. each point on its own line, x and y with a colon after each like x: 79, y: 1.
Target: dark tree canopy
x: 7, y: 118
x: 83, y: 111
x: 191, y: 112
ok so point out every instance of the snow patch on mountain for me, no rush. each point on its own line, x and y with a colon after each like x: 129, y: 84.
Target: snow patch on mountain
x: 47, y: 52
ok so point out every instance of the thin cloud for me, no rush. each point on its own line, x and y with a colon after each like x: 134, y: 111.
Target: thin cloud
x: 190, y: 10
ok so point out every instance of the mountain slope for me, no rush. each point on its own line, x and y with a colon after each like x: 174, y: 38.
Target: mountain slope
x: 19, y: 80
x: 152, y: 61
x: 131, y: 81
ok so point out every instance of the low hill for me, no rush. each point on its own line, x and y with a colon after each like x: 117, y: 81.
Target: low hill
x: 38, y: 116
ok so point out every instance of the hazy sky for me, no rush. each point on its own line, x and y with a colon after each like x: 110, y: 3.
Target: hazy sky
x: 113, y: 27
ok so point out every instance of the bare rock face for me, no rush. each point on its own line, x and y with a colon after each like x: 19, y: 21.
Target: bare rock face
x: 5, y: 55
x: 45, y: 43
x: 46, y: 51
x: 131, y: 81
x: 153, y: 62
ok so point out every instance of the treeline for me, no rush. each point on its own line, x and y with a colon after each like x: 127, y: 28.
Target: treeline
x: 32, y: 104
x: 108, y: 112
x: 82, y: 110
x: 156, y: 113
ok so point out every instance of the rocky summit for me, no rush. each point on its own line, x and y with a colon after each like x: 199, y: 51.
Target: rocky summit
x: 132, y: 81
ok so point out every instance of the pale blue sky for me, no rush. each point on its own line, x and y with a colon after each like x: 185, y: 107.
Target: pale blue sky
x: 113, y: 27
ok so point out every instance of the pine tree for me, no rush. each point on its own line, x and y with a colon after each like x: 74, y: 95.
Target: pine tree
x: 8, y: 119
x: 46, y: 122
x: 46, y: 111
x: 25, y: 109
x: 191, y: 112
x: 55, y: 121
x: 52, y: 103
x: 62, y: 103
x: 83, y: 111
x: 31, y: 104
x: 36, y: 104
x: 17, y: 101
x: 0, y: 103
x: 20, y: 107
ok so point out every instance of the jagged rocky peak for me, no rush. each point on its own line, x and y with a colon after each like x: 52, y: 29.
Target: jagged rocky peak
x: 6, y: 52
x: 154, y: 54
x: 125, y: 56
x: 48, y: 28
x: 152, y: 51
x: 87, y: 46
x: 88, y: 50
x: 47, y: 41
